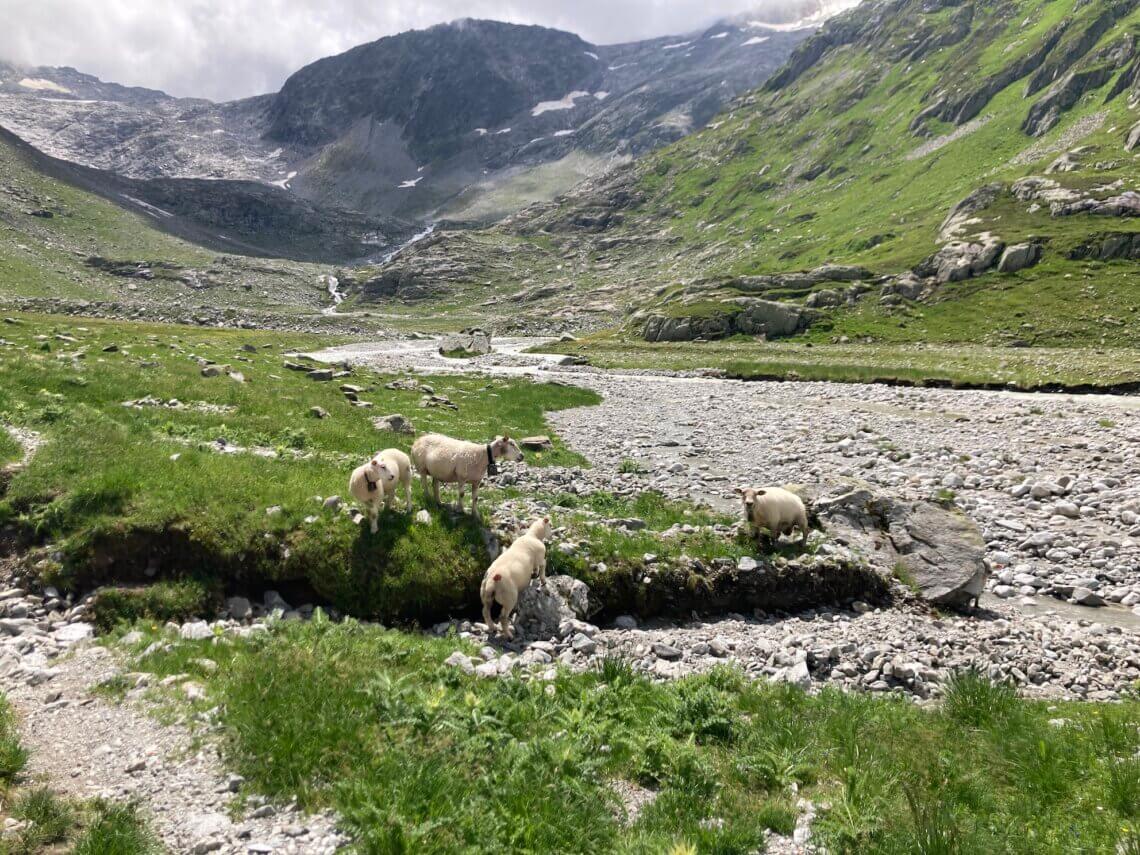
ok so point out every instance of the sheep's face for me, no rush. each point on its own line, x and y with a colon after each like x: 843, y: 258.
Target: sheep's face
x: 506, y: 448
x: 749, y: 497
x: 542, y: 529
x: 383, y: 472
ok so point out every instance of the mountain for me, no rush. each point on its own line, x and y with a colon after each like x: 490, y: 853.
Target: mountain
x: 464, y: 121
x: 918, y: 170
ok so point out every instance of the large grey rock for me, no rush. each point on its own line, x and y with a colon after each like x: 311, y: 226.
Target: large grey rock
x: 1019, y: 256
x: 542, y: 608
x: 474, y: 342
x: 940, y: 548
x: 395, y: 423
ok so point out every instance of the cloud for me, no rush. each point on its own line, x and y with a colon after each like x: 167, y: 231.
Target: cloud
x: 224, y: 49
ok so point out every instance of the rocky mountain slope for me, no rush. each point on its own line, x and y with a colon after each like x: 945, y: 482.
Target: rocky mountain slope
x: 469, y: 120
x: 916, y: 171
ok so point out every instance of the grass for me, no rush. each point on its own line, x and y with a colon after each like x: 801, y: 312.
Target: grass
x: 178, y: 601
x: 175, y: 506
x: 912, y: 364
x: 416, y: 756
x: 10, y: 450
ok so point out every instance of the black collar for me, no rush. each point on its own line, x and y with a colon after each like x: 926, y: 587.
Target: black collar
x: 371, y: 484
x: 492, y: 469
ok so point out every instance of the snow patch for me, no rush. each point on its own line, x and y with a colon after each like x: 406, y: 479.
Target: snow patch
x: 565, y: 133
x: 503, y: 131
x: 619, y: 67
x: 284, y: 182
x: 564, y: 103
x: 755, y: 40
x: 590, y: 54
x: 41, y: 85
x: 723, y: 35
x: 676, y: 46
x: 410, y: 184
x: 827, y: 9
x: 147, y: 207
x: 480, y: 132
x: 602, y: 96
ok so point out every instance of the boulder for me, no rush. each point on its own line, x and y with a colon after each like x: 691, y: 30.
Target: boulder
x: 1018, y: 257
x: 939, y: 548
x: 1133, y: 139
x: 320, y: 374
x: 536, y: 443
x: 470, y: 342
x: 824, y: 298
x: 395, y: 423
x: 746, y: 315
x: 542, y: 608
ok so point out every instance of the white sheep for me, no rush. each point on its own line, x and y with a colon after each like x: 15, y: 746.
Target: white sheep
x: 395, y: 467
x: 774, y: 510
x: 455, y: 461
x: 366, y: 485
x: 510, y: 573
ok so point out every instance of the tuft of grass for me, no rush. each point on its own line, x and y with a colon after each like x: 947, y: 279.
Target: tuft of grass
x: 13, y: 756
x: 163, y: 601
x: 116, y: 829
x: 50, y: 819
x: 974, y: 700
x: 629, y: 466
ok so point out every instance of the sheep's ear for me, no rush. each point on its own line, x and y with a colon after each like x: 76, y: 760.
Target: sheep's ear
x: 375, y: 461
x: 740, y: 491
x: 761, y: 492
x: 546, y: 520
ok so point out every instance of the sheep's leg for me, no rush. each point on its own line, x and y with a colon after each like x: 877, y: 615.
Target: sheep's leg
x: 509, y: 598
x: 542, y: 570
x: 408, y: 493
x: 487, y: 612
x: 474, y: 497
x: 373, y: 512
x: 461, y: 496
x: 435, y: 489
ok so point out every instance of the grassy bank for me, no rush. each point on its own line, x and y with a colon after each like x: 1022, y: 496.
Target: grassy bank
x: 959, y: 364
x: 225, y: 484
x: 418, y: 757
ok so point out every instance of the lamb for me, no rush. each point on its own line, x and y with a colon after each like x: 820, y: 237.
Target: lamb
x: 454, y: 461
x: 774, y: 510
x: 510, y: 573
x: 395, y: 466
x: 366, y: 485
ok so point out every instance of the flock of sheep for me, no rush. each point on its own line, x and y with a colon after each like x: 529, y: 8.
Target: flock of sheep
x: 770, y: 511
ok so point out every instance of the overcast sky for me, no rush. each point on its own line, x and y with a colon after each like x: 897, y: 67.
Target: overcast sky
x: 223, y: 49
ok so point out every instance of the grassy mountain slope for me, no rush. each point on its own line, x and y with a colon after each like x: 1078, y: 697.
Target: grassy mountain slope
x: 65, y: 246
x: 855, y: 154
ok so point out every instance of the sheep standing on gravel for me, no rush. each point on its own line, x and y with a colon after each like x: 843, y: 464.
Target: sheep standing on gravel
x: 366, y: 485
x: 395, y: 467
x: 774, y: 510
x: 510, y: 573
x: 455, y: 461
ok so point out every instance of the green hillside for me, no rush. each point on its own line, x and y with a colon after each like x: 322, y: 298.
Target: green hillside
x: 856, y: 154
x: 65, y: 247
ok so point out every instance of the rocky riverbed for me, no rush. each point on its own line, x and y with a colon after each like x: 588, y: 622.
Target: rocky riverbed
x: 1052, y: 482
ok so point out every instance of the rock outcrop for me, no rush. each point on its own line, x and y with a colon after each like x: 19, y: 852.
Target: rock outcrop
x: 744, y: 317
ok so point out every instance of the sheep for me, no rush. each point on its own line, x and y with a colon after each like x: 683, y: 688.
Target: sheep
x: 395, y: 466
x: 366, y: 485
x: 510, y: 573
x: 774, y: 510
x: 454, y: 461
